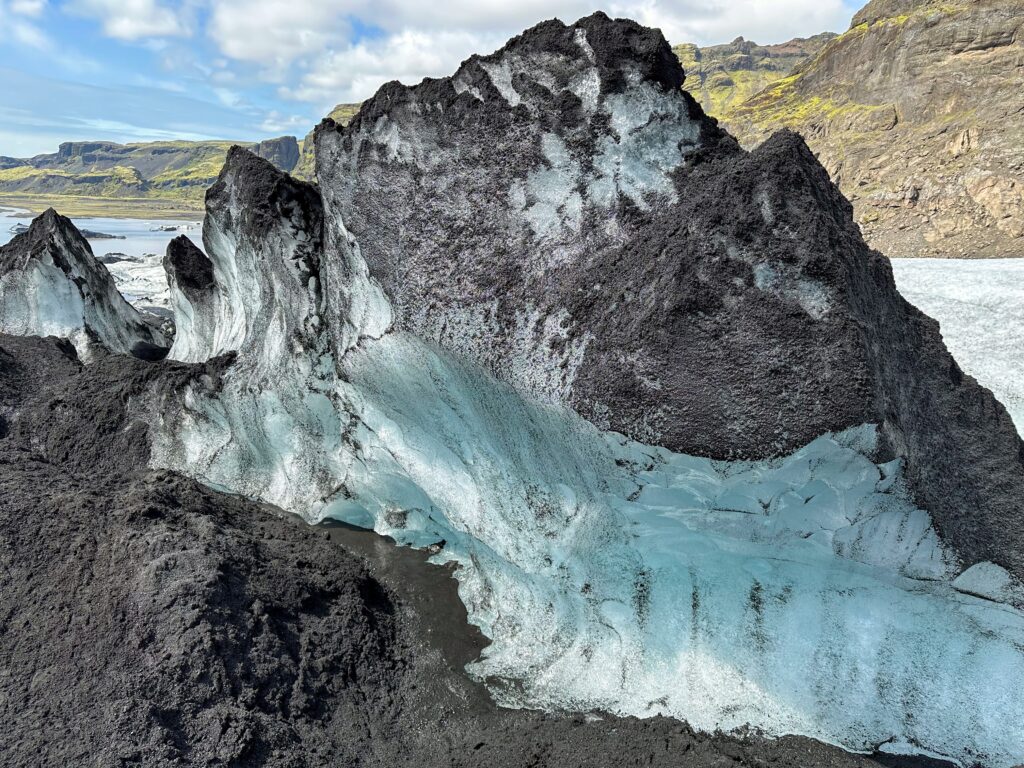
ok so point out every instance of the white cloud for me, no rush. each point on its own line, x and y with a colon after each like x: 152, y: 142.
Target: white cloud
x: 28, y: 7
x: 275, y: 122
x: 15, y: 28
x: 764, y: 22
x: 310, y: 46
x: 274, y: 33
x: 132, y: 19
x: 354, y: 73
x: 29, y: 35
x: 227, y: 97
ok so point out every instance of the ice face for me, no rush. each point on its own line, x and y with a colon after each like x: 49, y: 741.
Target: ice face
x: 56, y: 287
x: 801, y: 595
x: 980, y: 308
x: 40, y: 300
x: 805, y: 595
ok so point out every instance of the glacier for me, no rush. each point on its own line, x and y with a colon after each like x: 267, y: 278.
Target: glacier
x: 51, y: 284
x: 979, y: 304
x: 803, y: 595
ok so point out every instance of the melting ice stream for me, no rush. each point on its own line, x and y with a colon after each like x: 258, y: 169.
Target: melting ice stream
x: 805, y: 595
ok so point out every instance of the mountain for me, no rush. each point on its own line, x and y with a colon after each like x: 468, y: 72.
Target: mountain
x: 721, y: 77
x: 306, y: 169
x: 166, y: 170
x: 917, y: 112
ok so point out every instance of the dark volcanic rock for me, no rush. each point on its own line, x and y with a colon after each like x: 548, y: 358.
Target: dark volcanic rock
x: 188, y: 265
x: 282, y: 152
x: 149, y: 621
x: 562, y: 214
x: 91, y: 235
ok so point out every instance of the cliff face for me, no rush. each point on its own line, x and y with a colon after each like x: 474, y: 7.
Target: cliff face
x: 721, y: 77
x: 175, y: 169
x: 916, y: 112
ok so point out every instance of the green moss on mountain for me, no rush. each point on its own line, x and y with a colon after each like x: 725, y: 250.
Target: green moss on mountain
x: 161, y: 171
x: 915, y: 112
x: 722, y: 77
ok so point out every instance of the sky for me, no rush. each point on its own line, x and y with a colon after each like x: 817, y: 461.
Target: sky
x: 143, y: 70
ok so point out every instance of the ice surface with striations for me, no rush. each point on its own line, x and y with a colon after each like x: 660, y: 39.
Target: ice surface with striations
x: 802, y: 595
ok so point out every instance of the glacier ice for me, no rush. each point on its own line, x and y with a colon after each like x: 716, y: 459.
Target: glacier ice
x: 52, y: 285
x: 804, y: 595
x: 980, y: 308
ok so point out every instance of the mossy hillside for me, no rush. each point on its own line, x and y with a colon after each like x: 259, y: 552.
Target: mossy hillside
x: 119, y: 181
x: 915, y: 111
x: 162, y: 170
x: 722, y: 77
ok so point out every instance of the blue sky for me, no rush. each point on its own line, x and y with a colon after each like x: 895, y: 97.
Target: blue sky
x: 139, y: 70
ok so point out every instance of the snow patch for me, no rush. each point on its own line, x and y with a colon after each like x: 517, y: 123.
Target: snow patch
x: 501, y: 76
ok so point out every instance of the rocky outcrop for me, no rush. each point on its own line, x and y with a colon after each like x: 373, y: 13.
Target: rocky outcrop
x: 52, y: 285
x: 283, y: 153
x: 561, y: 214
x: 916, y: 113
x: 722, y: 77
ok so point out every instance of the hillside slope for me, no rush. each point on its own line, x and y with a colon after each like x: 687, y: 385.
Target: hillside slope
x: 917, y: 112
x: 721, y: 77
x: 165, y: 170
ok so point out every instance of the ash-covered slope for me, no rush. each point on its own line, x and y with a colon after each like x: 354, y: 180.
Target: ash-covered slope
x: 562, y: 214
x: 52, y: 285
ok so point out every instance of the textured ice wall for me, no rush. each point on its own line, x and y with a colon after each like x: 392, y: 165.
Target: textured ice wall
x: 980, y: 307
x: 52, y: 285
x: 618, y: 576
x: 801, y: 595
